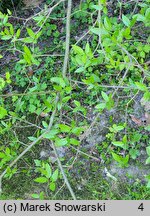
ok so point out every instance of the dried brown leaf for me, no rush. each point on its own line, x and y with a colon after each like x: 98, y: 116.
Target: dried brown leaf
x: 42, y: 114
x: 136, y: 120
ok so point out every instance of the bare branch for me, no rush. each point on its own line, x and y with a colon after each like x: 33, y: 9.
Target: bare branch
x: 63, y: 173
x: 67, y: 39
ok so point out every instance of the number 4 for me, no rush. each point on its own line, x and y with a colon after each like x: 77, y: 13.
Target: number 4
x: 141, y: 207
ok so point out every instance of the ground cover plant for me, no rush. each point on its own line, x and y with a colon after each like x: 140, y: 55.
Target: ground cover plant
x: 74, y: 99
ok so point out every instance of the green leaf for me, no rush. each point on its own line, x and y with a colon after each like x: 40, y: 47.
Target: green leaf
x: 38, y: 18
x: 64, y: 128
x: 118, y: 128
x: 107, y: 24
x: 110, y: 103
x: 146, y: 97
x: 18, y: 33
x: 32, y: 108
x: 123, y: 161
x: 54, y: 176
x: 139, y: 17
x: 142, y: 54
x: 77, y: 130
x: 7, y: 151
x: 134, y: 153
x: 48, y: 104
x: 80, y: 69
x: 61, y: 142
x: 147, y: 128
x: 5, y: 19
x: 148, y: 177
x: 9, y: 12
x: 6, y: 37
x: 147, y: 160
x: 136, y: 137
x: 95, y: 78
x: 66, y: 99
x: 148, y: 150
x: 22, y: 61
x: 148, y: 184
x: 99, y: 31
x: 11, y: 29
x: 35, y: 196
x: 52, y: 186
x: 3, y: 112
x: 51, y: 134
x: 77, y: 49
x: 124, y: 139
x: 147, y: 48
x: 7, y: 75
x: 97, y: 7
x: 59, y: 81
x: 141, y: 86
x: 38, y: 34
x: 48, y: 170
x: 32, y: 138
x: 100, y: 106
x: 45, y: 125
x: 105, y: 96
x: 88, y: 51
x: 27, y: 51
x: 126, y: 33
x: 147, y: 13
x: 74, y: 141
x: 27, y: 55
x: 118, y: 143
x: 116, y: 157
x: 41, y: 180
x: 103, y: 2
x: 126, y: 20
x: 77, y: 103
x: 87, y: 48
x: 28, y: 40
x: 41, y: 195
x: 2, y: 155
x: 2, y: 83
x: 37, y: 162
x: 30, y: 33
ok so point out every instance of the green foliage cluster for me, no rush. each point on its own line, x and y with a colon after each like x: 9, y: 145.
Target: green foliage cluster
x: 114, y: 55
